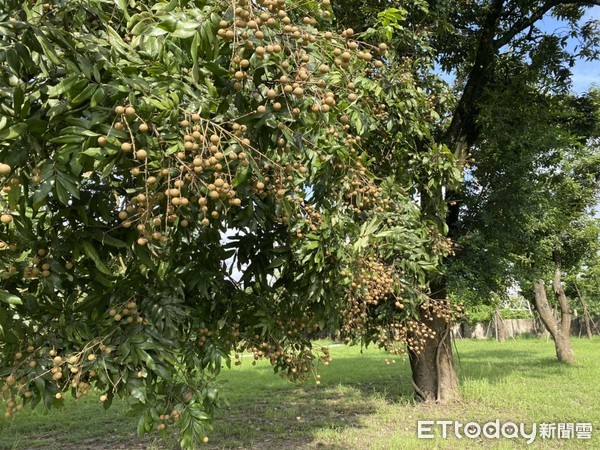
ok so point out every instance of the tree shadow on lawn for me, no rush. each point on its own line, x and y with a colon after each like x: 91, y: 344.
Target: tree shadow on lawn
x: 499, y: 363
x: 292, y: 416
x: 275, y: 415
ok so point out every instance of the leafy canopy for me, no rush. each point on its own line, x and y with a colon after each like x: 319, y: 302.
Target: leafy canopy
x: 184, y: 181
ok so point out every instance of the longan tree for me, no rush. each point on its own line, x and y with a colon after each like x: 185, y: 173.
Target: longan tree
x: 185, y: 181
x: 485, y: 45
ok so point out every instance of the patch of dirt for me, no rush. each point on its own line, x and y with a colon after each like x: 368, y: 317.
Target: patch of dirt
x: 113, y: 442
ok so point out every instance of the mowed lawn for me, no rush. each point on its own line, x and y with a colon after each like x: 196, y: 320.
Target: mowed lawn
x: 361, y: 403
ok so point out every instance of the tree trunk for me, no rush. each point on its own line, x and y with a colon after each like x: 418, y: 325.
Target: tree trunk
x: 433, y: 373
x: 564, y: 352
x: 563, y: 301
x: 586, y: 313
x: 500, y: 327
x: 434, y: 376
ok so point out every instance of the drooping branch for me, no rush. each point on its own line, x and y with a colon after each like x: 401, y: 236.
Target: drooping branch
x: 536, y: 15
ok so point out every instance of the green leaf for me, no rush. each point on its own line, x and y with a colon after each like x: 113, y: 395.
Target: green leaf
x: 68, y: 139
x: 240, y: 177
x: 10, y: 299
x: 90, y: 251
x: 64, y: 86
x: 61, y: 193
x: 145, y: 257
x: 14, y: 131
x: 122, y: 5
x: 84, y: 95
x: 98, y: 97
x: 109, y: 240
x: 41, y: 194
x: 279, y: 261
x: 137, y: 393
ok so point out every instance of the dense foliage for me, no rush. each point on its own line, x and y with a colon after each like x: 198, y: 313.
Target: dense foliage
x: 185, y: 181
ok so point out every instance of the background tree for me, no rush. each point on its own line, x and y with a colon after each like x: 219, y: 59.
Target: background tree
x: 540, y: 184
x: 582, y: 286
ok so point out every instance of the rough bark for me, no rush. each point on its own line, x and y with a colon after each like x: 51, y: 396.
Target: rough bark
x: 433, y: 373
x: 500, y: 327
x: 564, y: 352
x: 434, y: 376
x: 563, y: 301
x: 586, y: 313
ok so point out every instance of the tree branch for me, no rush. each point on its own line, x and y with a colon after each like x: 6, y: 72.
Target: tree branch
x: 525, y: 23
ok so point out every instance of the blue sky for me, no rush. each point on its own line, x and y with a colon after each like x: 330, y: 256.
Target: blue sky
x: 585, y: 73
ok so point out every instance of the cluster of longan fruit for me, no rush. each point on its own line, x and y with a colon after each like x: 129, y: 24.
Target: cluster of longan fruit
x: 70, y: 370
x: 443, y: 246
x: 308, y: 218
x: 361, y: 193
x: 203, y: 335
x: 201, y: 174
x: 443, y: 309
x: 9, y: 389
x: 398, y: 337
x: 169, y: 419
x: 295, y: 364
x: 127, y: 313
x: 40, y: 266
x: 6, y: 217
x: 255, y: 21
x: 265, y: 30
x: 371, y: 283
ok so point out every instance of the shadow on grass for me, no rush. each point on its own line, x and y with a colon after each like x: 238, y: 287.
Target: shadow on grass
x: 498, y: 363
x: 289, y: 416
x: 265, y: 414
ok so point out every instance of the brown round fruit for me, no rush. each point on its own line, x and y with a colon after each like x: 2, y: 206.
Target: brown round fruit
x: 5, y: 169
x: 6, y: 219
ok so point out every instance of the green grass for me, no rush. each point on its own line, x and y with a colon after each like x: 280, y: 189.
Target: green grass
x: 362, y: 403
